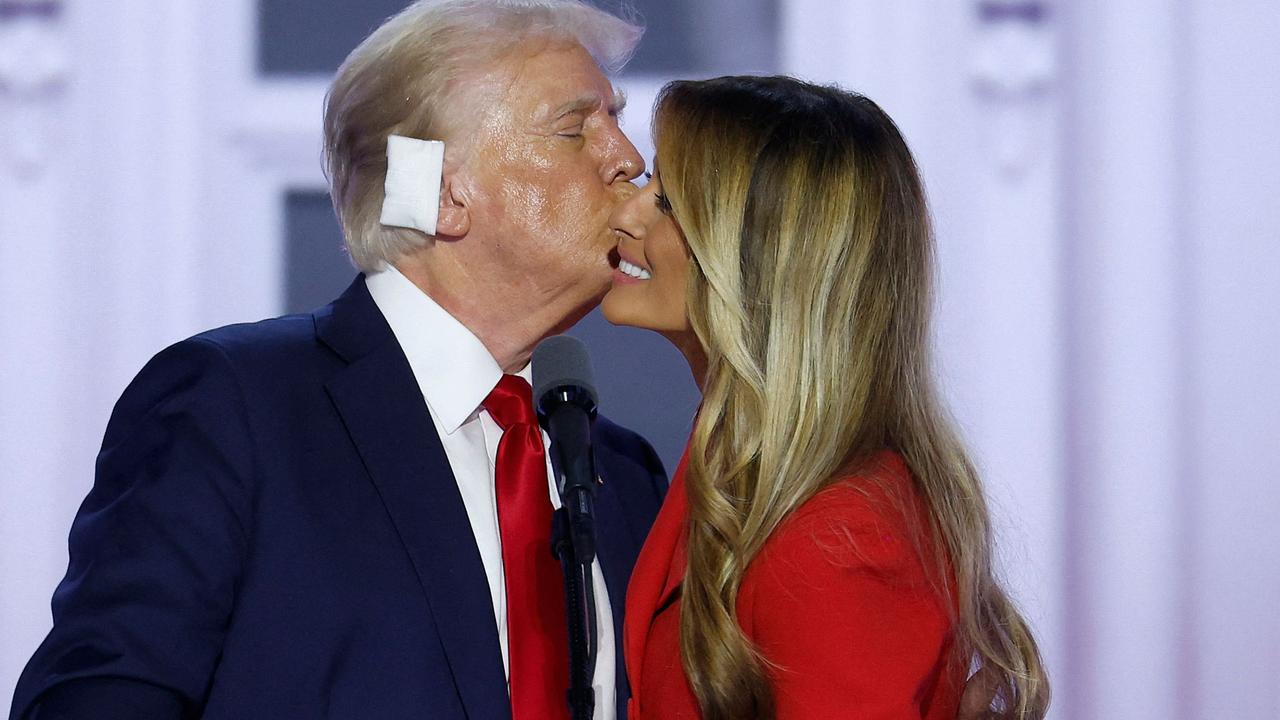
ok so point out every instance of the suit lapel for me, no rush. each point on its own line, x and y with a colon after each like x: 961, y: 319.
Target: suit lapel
x: 616, y: 551
x: 676, y: 526
x: 654, y: 577
x: 388, y: 421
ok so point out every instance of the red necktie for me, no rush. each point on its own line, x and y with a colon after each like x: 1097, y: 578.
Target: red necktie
x: 537, y: 640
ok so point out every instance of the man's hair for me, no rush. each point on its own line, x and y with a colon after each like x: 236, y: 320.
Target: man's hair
x: 403, y: 80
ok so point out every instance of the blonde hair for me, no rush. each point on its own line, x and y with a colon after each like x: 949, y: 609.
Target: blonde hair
x: 404, y: 80
x: 811, y: 292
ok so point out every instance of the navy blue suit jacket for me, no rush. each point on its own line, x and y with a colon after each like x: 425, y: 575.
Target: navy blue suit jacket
x: 274, y: 532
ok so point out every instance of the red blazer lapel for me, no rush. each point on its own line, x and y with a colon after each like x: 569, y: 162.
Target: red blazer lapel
x: 658, y: 572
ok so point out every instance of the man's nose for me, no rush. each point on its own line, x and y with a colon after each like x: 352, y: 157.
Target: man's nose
x: 625, y: 163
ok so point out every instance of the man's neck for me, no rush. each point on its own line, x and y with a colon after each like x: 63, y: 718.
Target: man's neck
x: 507, y: 332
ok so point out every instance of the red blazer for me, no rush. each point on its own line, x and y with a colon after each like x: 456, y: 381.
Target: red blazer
x: 838, y: 601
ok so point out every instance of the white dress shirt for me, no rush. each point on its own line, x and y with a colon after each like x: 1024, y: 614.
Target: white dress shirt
x: 456, y: 373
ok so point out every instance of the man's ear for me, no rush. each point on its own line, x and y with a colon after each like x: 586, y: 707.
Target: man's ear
x: 454, y: 219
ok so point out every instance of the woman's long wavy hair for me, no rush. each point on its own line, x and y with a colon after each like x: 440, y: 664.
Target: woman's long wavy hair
x: 811, y: 293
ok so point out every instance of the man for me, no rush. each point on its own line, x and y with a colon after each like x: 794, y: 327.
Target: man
x: 302, y: 517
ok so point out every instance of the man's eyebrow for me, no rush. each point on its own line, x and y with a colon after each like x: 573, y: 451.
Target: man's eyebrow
x: 590, y: 102
x: 579, y: 105
x: 618, y: 103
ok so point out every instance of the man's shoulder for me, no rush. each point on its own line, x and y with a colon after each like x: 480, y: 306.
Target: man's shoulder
x: 273, y: 350
x: 622, y: 450
x: 291, y: 338
x: 622, y: 440
x: 255, y: 359
x: 246, y: 341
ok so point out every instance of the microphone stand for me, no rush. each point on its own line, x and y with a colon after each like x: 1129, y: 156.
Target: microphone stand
x: 573, y: 541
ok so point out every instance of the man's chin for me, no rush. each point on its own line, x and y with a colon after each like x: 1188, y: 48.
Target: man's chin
x: 583, y: 307
x: 602, y: 291
x: 600, y: 280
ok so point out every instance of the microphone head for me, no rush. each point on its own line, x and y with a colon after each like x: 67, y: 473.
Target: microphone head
x: 561, y: 361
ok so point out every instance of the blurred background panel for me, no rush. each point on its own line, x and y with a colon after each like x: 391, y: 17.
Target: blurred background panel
x: 1102, y: 175
x: 312, y: 37
x: 684, y: 37
x: 317, y: 268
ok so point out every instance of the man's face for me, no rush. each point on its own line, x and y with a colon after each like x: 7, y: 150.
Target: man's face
x: 547, y: 166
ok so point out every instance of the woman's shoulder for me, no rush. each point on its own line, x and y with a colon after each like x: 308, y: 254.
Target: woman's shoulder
x: 871, y: 514
x: 867, y: 489
x: 869, y: 520
x: 842, y: 586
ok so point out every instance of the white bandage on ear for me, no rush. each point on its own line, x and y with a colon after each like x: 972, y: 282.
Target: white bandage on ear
x: 414, y: 171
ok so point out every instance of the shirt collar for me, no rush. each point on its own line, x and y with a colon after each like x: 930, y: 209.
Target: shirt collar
x: 453, y: 368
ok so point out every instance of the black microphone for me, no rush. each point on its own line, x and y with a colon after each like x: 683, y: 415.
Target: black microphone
x: 565, y: 397
x: 564, y: 394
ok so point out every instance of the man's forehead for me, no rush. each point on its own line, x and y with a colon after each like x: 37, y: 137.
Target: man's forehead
x: 557, y: 79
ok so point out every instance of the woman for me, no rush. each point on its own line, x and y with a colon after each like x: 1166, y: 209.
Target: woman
x: 825, y: 548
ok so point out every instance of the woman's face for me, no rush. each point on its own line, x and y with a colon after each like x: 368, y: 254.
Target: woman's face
x: 652, y: 276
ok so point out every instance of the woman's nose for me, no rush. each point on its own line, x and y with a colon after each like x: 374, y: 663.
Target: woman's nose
x: 627, y: 217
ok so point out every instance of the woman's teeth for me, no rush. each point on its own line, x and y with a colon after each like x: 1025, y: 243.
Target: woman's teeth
x: 634, y: 271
